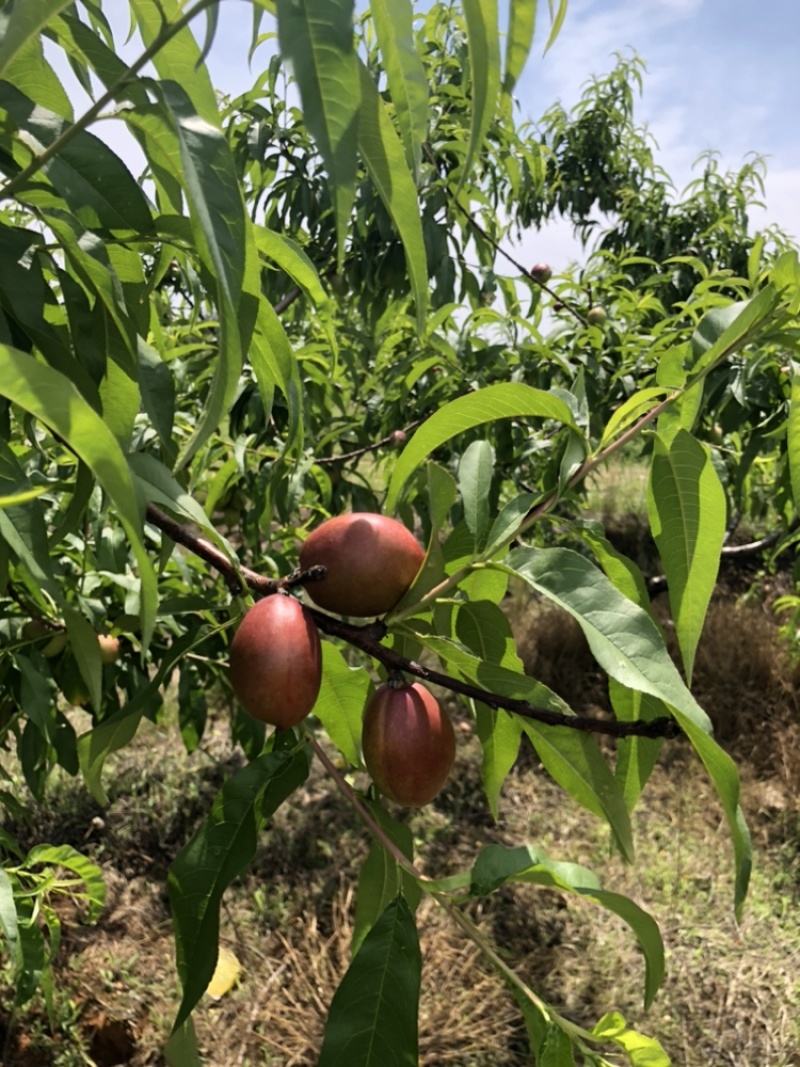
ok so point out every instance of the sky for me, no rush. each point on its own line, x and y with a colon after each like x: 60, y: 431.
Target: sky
x: 720, y: 74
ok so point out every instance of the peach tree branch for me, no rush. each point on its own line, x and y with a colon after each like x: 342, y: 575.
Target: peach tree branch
x: 368, y: 639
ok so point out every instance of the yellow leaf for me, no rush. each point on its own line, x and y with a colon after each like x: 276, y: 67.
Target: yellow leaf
x: 227, y: 971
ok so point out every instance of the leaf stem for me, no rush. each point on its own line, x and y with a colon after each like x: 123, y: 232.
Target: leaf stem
x: 163, y: 37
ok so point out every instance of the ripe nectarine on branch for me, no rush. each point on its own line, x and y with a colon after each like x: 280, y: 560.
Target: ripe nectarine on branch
x: 408, y: 743
x: 276, y: 662
x: 371, y: 561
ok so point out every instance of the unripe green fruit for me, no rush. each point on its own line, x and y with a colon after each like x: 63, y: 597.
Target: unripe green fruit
x: 55, y: 646
x: 408, y: 743
x: 596, y: 316
x: 371, y: 562
x: 542, y: 273
x: 109, y: 648
x: 276, y: 662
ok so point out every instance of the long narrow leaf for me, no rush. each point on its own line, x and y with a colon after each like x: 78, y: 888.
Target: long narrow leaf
x: 686, y: 506
x: 484, y: 60
x: 498, y: 864
x: 504, y: 401
x: 373, y: 1016
x: 793, y: 440
x: 521, y: 28
x: 94, y: 182
x: 316, y: 36
x: 218, y: 852
x: 628, y: 645
x: 178, y: 59
x: 405, y: 74
x: 22, y: 23
x: 218, y: 218
x: 382, y: 153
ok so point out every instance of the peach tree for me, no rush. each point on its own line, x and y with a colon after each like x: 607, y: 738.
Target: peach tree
x: 307, y: 306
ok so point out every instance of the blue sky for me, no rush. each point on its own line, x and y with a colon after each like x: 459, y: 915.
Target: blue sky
x: 721, y: 74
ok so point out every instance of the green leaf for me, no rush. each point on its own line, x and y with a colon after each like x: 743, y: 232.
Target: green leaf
x: 503, y: 401
x: 641, y: 1051
x: 628, y: 645
x: 724, y: 330
x: 382, y: 878
x: 69, y: 858
x: 181, y: 1048
x: 53, y: 399
x: 630, y: 412
x: 508, y: 522
x: 373, y: 1015
x: 316, y: 37
x: 178, y: 59
x: 793, y: 440
x: 556, y: 1049
x: 94, y: 182
x: 636, y: 756
x: 484, y: 61
x: 500, y: 734
x: 498, y: 864
x: 340, y: 704
x: 31, y: 959
x: 8, y: 911
x: 291, y: 258
x: 686, y: 506
x: 405, y: 74
x: 218, y: 220
x: 219, y: 851
x: 270, y: 352
x: 84, y: 644
x: 484, y: 628
x: 475, y: 474
x: 21, y: 22
x: 383, y: 157
x: 557, y: 23
x: 31, y: 74
x: 521, y: 28
x: 573, y: 759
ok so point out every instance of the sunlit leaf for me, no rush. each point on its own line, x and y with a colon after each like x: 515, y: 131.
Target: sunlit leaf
x: 503, y: 401
x: 484, y: 60
x: 687, y: 510
x: 521, y: 28
x: 316, y: 37
x: 22, y: 22
x: 405, y: 74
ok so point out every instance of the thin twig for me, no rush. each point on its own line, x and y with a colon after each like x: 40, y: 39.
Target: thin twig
x: 502, y: 252
x: 342, y: 457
